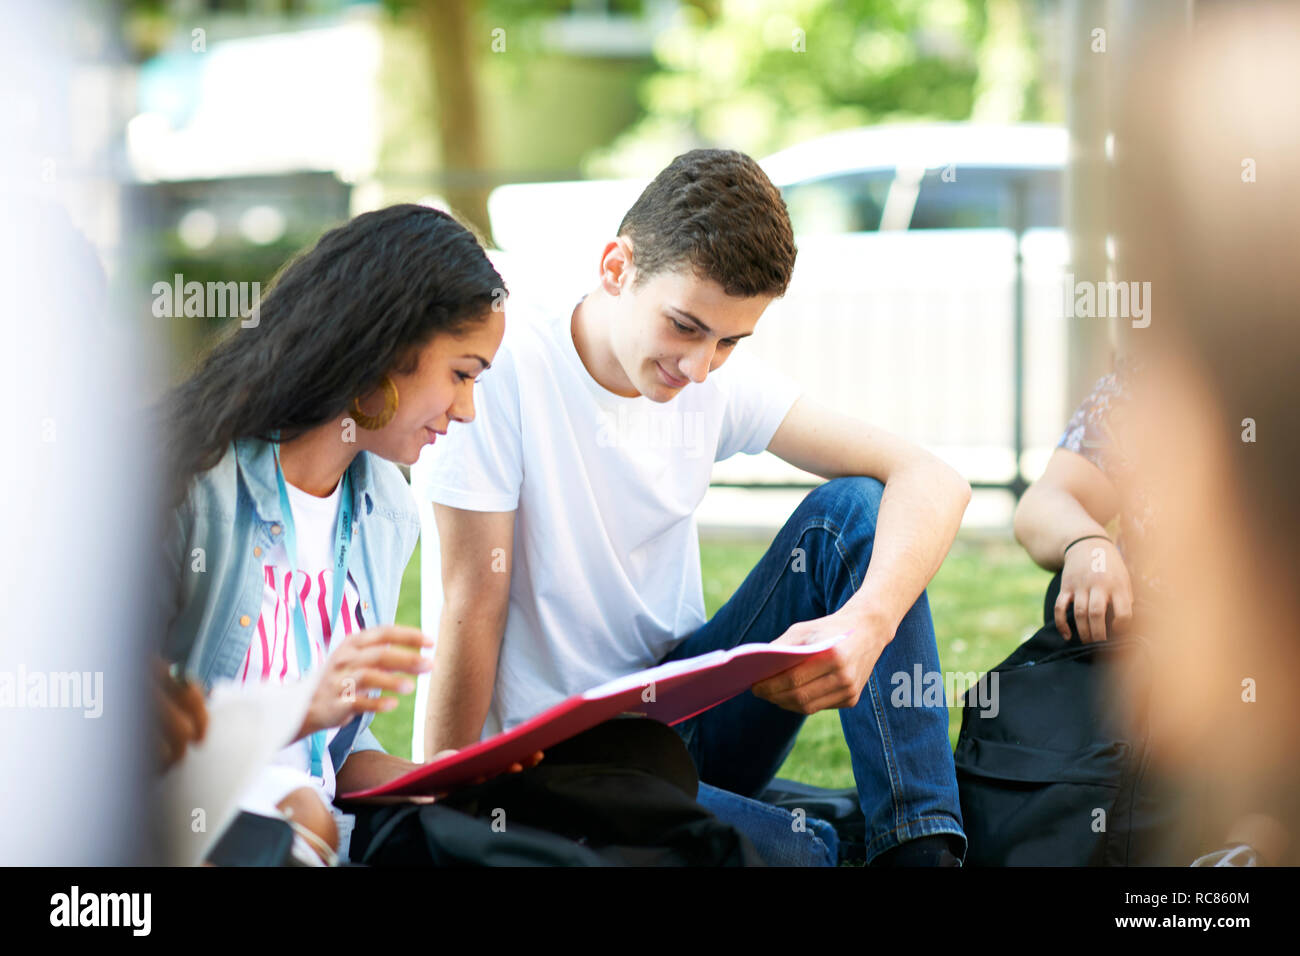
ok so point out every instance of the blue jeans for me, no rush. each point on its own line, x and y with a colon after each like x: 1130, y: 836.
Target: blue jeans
x: 902, y: 761
x: 779, y: 838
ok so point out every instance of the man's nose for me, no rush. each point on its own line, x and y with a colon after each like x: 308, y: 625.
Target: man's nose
x: 697, y: 363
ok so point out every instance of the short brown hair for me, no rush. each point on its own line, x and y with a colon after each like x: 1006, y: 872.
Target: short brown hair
x: 716, y: 212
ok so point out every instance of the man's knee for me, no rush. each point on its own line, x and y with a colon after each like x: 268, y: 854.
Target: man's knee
x: 846, y: 501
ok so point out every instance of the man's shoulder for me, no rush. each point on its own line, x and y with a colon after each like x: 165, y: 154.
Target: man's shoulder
x: 532, y: 335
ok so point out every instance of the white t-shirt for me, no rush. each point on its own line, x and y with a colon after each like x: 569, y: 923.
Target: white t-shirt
x: 606, y: 565
x: 273, y: 652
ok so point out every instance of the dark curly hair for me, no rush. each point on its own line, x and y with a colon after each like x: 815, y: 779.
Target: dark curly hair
x: 337, y: 318
x: 715, y: 212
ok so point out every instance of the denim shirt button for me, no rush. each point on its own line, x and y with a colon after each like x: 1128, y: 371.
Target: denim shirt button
x: 275, y: 529
x: 244, y: 621
x: 257, y: 552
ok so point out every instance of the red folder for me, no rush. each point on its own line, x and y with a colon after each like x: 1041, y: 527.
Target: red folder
x: 669, y: 693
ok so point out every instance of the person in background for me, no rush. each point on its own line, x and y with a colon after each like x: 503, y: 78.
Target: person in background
x: 1063, y: 518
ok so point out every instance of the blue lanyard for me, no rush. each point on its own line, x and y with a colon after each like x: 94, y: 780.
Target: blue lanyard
x: 342, y: 543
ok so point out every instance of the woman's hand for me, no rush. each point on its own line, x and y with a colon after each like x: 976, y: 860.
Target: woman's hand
x: 376, y: 658
x: 182, y: 714
x: 1096, y: 580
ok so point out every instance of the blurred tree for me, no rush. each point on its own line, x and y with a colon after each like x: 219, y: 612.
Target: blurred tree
x: 1006, y: 64
x: 454, y: 40
x: 456, y: 33
x: 752, y: 74
x: 762, y: 74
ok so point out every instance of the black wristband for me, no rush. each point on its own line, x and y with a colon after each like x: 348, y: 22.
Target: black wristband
x: 1084, y: 538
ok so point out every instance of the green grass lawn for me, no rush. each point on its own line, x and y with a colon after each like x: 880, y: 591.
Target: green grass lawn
x: 985, y: 599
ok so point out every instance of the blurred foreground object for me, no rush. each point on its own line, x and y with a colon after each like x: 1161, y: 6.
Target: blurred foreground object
x: 1207, y: 210
x: 74, y: 694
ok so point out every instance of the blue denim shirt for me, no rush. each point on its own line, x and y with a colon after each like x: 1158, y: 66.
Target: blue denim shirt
x: 213, y: 563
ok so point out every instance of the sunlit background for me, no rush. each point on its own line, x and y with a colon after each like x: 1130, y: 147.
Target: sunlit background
x: 942, y: 161
x: 244, y: 128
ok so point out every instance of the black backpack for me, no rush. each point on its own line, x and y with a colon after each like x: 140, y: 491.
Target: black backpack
x: 1058, y: 777
x: 622, y: 793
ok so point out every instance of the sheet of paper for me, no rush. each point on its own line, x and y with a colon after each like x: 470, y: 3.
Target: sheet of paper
x: 247, y: 726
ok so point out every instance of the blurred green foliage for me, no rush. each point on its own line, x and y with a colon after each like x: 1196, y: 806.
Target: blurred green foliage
x: 758, y: 75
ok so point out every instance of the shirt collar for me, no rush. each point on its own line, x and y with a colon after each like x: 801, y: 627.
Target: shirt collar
x: 256, y: 460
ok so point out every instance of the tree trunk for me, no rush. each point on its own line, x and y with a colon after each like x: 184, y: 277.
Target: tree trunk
x: 448, y: 27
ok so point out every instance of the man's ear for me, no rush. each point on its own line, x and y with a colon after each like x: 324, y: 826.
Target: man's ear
x: 616, y: 270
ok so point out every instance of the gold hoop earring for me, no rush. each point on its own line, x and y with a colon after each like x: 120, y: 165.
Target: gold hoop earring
x: 374, y: 422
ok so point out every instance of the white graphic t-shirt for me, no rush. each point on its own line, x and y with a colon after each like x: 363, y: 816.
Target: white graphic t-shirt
x: 273, y: 653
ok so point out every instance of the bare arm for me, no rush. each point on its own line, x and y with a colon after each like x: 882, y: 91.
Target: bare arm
x: 370, y: 768
x: 920, y: 511
x: 1073, y: 498
x: 476, y: 553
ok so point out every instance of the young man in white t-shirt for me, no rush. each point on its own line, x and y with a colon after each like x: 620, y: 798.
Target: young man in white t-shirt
x: 566, y: 516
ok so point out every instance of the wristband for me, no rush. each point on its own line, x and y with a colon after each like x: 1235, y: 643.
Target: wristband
x: 1084, y: 538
